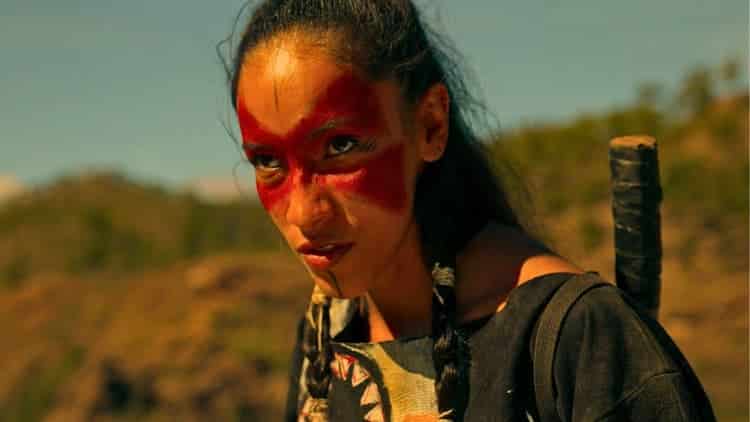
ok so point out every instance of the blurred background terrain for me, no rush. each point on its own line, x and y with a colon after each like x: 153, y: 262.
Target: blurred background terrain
x: 123, y: 301
x: 140, y: 280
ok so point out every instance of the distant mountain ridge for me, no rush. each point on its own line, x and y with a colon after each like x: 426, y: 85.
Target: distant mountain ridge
x: 106, y: 222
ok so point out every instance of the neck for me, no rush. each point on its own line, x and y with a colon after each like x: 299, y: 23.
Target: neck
x: 401, y: 304
x: 514, y: 258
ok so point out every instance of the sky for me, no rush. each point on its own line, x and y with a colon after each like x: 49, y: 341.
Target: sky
x: 136, y: 85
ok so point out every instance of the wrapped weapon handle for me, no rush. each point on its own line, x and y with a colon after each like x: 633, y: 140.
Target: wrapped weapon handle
x: 636, y: 197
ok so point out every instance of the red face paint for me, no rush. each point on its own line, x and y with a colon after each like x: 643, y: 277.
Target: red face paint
x: 380, y: 179
x: 350, y: 100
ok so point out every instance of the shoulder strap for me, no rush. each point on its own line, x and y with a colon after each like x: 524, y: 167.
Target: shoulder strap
x: 547, y: 335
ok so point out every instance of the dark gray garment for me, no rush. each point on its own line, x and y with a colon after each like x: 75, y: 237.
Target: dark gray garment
x: 612, y: 364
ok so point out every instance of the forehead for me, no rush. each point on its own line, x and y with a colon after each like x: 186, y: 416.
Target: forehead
x: 282, y: 84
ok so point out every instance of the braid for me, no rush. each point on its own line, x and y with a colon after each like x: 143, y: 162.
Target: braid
x: 317, y: 349
x: 449, y: 352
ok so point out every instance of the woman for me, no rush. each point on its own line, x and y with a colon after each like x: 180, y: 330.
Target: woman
x: 427, y: 284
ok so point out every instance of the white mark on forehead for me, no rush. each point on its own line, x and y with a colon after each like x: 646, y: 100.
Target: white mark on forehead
x: 281, y: 67
x: 281, y: 62
x: 283, y: 80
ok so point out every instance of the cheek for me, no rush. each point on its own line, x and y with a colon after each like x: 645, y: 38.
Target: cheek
x: 271, y: 195
x: 381, y: 180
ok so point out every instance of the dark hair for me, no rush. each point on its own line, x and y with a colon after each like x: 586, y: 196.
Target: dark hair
x: 455, y: 196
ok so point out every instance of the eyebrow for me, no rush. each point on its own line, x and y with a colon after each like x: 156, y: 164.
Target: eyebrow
x: 311, y: 136
x: 327, y: 126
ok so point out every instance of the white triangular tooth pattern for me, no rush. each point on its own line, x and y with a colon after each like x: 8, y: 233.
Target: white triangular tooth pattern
x: 359, y: 375
x: 375, y: 415
x: 345, y: 362
x: 336, y: 367
x: 371, y: 395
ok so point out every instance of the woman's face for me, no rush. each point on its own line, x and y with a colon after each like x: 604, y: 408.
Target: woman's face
x: 335, y: 164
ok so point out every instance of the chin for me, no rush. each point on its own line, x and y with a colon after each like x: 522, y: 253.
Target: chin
x: 336, y: 288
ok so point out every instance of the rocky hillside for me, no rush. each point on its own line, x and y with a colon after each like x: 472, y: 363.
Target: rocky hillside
x: 104, y: 223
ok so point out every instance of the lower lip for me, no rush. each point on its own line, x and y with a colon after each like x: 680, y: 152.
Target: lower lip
x: 325, y: 260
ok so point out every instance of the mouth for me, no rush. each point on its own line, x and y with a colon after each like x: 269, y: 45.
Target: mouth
x: 323, y: 255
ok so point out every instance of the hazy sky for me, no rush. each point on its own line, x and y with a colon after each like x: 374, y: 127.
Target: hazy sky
x: 136, y: 84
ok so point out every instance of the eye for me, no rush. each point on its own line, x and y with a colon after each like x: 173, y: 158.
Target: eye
x: 341, y: 145
x: 265, y: 162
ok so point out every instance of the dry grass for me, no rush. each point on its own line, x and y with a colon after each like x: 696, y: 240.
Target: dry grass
x: 180, y: 351
x: 211, y: 338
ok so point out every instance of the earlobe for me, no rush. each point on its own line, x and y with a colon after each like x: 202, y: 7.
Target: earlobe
x: 433, y: 117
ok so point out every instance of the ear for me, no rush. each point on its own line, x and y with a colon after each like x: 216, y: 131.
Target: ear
x: 432, y: 118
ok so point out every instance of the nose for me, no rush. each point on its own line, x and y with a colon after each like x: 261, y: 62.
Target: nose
x: 310, y: 209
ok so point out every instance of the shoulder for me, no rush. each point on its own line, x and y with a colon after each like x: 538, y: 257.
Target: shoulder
x: 498, y: 260
x: 622, y: 362
x: 607, y: 314
x: 605, y: 322
x: 527, y: 258
x: 544, y: 263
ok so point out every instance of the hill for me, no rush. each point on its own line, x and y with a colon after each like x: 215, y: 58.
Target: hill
x: 96, y: 223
